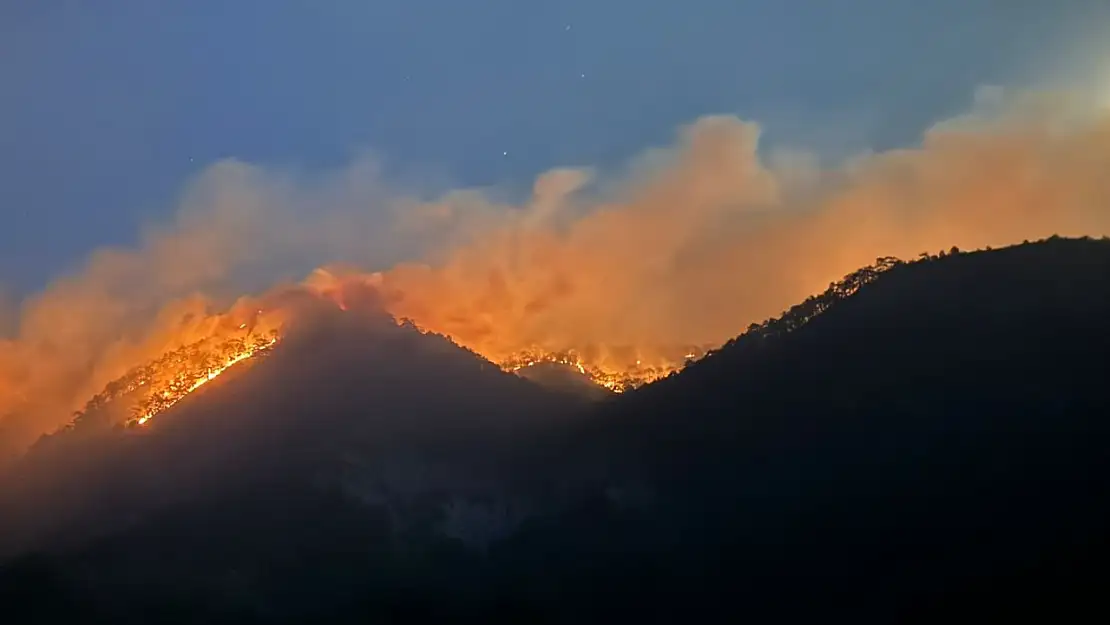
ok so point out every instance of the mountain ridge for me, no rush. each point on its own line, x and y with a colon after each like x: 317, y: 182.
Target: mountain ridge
x: 935, y: 435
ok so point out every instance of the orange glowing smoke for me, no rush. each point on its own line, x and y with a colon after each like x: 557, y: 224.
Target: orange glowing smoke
x: 623, y: 281
x: 614, y: 366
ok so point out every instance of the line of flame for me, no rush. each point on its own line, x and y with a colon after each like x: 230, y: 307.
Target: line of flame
x: 208, y: 376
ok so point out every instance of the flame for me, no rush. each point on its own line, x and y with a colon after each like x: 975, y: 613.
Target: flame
x: 685, y: 251
x: 617, y: 379
x: 157, y: 386
x: 176, y: 390
x: 165, y: 382
x: 617, y: 368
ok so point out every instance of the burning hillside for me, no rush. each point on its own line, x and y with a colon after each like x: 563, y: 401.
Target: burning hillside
x: 156, y: 386
x: 621, y: 280
x: 618, y: 380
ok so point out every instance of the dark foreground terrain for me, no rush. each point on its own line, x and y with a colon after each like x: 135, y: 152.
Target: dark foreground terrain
x: 923, y: 441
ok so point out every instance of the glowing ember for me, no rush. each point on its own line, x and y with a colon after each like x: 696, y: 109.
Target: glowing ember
x: 615, y: 378
x: 158, y: 385
x: 166, y: 381
x: 180, y: 387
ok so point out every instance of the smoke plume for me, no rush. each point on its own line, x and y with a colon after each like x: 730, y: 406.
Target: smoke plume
x: 695, y: 242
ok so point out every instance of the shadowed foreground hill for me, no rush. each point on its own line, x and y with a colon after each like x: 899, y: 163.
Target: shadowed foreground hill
x: 923, y: 439
x: 940, y: 432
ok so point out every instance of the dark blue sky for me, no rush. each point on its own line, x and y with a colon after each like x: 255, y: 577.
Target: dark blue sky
x: 107, y: 107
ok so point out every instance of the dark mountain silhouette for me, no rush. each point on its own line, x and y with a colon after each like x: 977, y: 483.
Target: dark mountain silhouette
x: 919, y: 434
x: 342, y: 386
x: 926, y: 439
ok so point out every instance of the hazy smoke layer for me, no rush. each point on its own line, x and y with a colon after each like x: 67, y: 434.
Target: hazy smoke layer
x: 697, y: 242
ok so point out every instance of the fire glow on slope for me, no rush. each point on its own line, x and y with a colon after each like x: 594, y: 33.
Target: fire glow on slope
x: 616, y: 380
x: 181, y: 387
x: 159, y: 385
x: 164, y: 382
x: 698, y: 240
x: 617, y: 367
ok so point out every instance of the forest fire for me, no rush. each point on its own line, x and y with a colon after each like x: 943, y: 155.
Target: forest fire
x: 157, y: 386
x: 591, y: 275
x: 162, y: 383
x: 617, y: 369
x: 179, y: 385
x: 616, y: 379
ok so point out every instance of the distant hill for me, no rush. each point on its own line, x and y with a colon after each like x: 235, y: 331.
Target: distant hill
x: 925, y: 439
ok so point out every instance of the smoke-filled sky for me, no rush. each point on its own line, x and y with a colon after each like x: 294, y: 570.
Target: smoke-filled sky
x: 220, y: 150
x: 107, y: 108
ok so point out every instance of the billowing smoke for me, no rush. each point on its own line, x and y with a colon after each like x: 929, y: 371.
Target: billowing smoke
x: 692, y: 245
x: 709, y: 237
x: 238, y: 230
